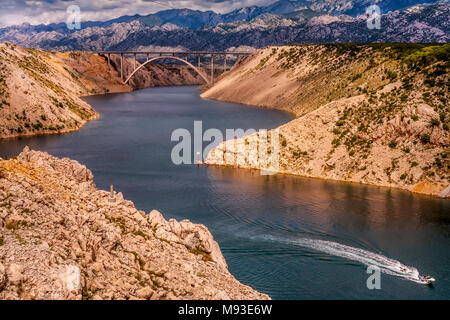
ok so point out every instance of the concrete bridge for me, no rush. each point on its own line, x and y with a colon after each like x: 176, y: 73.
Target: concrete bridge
x: 183, y: 56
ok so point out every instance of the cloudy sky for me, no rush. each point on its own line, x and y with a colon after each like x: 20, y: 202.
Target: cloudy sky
x: 46, y: 11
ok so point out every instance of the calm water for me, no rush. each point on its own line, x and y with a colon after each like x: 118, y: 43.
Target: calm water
x: 271, y: 228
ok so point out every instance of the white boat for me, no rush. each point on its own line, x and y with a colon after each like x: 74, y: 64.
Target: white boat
x: 426, y: 280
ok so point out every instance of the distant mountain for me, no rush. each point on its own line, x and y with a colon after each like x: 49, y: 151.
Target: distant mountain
x: 302, y: 21
x: 354, y: 7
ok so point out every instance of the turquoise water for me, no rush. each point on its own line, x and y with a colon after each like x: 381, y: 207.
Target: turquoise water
x: 289, y: 237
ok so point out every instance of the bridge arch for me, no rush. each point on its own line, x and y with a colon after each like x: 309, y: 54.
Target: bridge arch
x: 169, y: 57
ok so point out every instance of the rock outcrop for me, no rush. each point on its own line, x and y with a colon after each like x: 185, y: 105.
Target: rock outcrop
x: 374, y: 114
x: 61, y: 238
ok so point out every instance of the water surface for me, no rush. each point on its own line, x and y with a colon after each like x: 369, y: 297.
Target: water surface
x: 285, y: 236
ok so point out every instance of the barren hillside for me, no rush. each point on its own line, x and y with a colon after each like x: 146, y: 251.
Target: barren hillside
x: 40, y: 90
x: 375, y: 114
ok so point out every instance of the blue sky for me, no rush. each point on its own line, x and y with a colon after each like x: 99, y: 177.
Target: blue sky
x: 46, y: 11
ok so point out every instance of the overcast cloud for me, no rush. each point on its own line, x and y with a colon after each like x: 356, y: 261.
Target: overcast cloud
x: 13, y: 12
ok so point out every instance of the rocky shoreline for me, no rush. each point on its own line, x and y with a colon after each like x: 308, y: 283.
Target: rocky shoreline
x: 62, y: 238
x: 375, y: 114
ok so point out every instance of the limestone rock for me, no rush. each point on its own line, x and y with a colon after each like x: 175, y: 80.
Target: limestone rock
x: 64, y: 239
x: 15, y: 273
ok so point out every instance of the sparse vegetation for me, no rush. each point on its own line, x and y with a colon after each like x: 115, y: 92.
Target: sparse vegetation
x: 2, y: 173
x: 425, y: 138
x: 435, y: 122
x: 200, y: 251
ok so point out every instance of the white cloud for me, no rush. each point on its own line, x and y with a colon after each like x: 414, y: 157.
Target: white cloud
x: 13, y: 12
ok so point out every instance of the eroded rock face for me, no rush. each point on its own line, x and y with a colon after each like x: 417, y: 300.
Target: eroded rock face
x: 61, y: 238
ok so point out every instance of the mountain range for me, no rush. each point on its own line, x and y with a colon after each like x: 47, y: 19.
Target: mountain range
x: 283, y: 22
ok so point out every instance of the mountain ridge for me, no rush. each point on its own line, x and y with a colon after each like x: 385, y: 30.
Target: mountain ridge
x: 279, y: 23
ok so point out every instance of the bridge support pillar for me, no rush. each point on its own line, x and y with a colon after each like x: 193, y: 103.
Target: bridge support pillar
x: 212, y: 69
x: 121, y: 66
x: 224, y: 62
x: 134, y: 61
x: 199, y: 61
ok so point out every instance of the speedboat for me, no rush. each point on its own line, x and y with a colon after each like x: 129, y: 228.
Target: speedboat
x: 426, y: 280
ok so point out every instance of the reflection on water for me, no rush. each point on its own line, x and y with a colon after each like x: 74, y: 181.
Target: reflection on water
x: 293, y: 211
x: 259, y: 221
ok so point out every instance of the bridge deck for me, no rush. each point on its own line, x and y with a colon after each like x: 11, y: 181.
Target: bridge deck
x: 176, y: 52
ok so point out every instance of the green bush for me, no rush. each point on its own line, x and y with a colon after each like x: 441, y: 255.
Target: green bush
x: 392, y: 144
x: 356, y: 77
x: 425, y: 138
x: 435, y: 122
x: 38, y: 125
x: 391, y: 74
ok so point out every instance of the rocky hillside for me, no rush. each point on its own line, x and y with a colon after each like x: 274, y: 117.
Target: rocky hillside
x: 61, y: 238
x: 376, y: 114
x: 40, y: 94
x: 40, y: 90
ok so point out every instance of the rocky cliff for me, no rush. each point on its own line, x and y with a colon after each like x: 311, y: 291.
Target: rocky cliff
x: 40, y: 90
x: 375, y: 114
x: 61, y: 238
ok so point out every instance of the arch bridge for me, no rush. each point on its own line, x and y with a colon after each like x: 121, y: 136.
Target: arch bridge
x: 179, y: 56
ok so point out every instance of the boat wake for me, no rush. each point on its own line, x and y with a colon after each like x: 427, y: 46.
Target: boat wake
x: 386, y: 265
